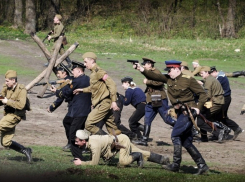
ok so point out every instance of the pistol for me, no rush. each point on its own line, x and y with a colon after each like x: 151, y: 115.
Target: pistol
x: 133, y: 61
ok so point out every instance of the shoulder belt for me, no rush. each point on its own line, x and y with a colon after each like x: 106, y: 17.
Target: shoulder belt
x: 186, y: 76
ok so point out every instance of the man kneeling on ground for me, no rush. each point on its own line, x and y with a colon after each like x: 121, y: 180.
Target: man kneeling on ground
x: 106, y: 146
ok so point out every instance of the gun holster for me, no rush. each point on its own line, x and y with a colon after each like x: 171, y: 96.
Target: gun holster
x: 156, y: 100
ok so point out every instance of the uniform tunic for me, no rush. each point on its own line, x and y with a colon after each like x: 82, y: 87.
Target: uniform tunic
x: 196, y: 71
x: 103, y: 90
x: 181, y: 89
x: 100, y: 147
x: 14, y: 110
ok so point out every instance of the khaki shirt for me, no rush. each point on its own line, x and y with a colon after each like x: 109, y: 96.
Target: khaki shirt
x: 101, y: 88
x: 181, y: 88
x: 154, y: 87
x: 214, y: 90
x: 16, y: 99
x: 188, y: 72
x: 100, y: 146
x: 58, y: 30
x: 196, y: 71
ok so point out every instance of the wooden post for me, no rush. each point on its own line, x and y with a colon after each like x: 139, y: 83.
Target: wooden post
x: 58, y: 61
x: 51, y: 65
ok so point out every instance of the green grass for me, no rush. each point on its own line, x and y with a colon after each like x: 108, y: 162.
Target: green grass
x: 52, y: 164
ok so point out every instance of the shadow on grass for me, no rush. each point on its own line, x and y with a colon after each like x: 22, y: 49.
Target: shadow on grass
x: 23, y: 158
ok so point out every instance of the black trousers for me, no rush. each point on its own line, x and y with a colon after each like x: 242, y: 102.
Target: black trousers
x: 67, y: 124
x: 77, y: 123
x: 136, y: 116
x: 227, y: 121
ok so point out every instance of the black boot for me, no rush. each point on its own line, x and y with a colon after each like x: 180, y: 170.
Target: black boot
x: 67, y: 147
x: 69, y: 62
x: 197, y: 157
x: 159, y: 159
x: 101, y: 132
x: 143, y: 141
x: 174, y: 167
x: 237, y: 73
x: 137, y: 156
x: 141, y: 127
x: 19, y: 148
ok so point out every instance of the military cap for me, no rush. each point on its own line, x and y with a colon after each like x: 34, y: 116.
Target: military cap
x: 172, y: 64
x: 212, y: 69
x: 127, y: 79
x: 195, y: 62
x: 89, y: 55
x: 82, y: 134
x: 147, y: 60
x: 184, y: 63
x: 11, y: 74
x: 63, y: 68
x: 205, y: 68
x: 76, y: 64
x: 58, y: 16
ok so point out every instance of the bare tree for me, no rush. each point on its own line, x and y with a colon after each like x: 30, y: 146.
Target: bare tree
x: 227, y: 29
x: 30, y: 17
x: 18, y: 22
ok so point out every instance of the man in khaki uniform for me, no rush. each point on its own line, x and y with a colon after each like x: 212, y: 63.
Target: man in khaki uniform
x: 58, y: 31
x: 215, y: 95
x: 104, y: 96
x: 243, y: 110
x: 14, y: 101
x: 107, y: 146
x: 185, y: 69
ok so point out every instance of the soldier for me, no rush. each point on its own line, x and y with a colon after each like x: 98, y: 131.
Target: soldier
x: 59, y: 30
x: 222, y: 78
x: 185, y: 69
x: 154, y: 105
x: 103, y: 90
x: 80, y: 105
x: 196, y: 67
x: 213, y: 108
x: 180, y: 90
x: 136, y: 97
x: 63, y: 73
x: 15, y: 103
x: 243, y: 110
x: 107, y: 146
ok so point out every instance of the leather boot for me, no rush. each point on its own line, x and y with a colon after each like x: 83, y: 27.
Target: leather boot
x: 197, y: 157
x: 137, y: 156
x: 159, y: 159
x: 174, y: 167
x: 69, y: 62
x: 141, y: 127
x: 143, y: 141
x: 101, y: 132
x: 237, y: 73
x: 21, y: 149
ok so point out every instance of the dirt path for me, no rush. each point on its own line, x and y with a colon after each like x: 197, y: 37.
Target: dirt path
x: 43, y: 128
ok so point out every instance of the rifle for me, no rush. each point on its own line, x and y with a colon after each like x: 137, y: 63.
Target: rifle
x: 1, y: 97
x: 48, y: 35
x: 50, y: 82
x: 133, y: 61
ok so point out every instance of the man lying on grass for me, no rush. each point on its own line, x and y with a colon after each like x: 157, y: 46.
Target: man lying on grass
x: 107, y: 146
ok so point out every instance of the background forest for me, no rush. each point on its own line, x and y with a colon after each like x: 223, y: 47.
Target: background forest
x: 188, y: 19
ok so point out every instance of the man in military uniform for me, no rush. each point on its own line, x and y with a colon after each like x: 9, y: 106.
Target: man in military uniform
x: 59, y: 30
x: 107, y: 146
x: 196, y: 67
x: 80, y: 105
x: 63, y: 73
x: 185, y: 69
x: 180, y: 89
x: 103, y: 90
x: 153, y: 89
x: 213, y: 108
x: 243, y: 110
x: 15, y: 106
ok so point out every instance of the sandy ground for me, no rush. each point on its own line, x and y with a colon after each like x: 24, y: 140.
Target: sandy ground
x: 43, y: 128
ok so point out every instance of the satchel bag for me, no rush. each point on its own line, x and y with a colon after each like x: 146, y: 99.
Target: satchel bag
x: 156, y: 100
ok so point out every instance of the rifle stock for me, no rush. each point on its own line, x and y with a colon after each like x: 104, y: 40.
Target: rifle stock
x: 50, y: 82
x: 211, y: 124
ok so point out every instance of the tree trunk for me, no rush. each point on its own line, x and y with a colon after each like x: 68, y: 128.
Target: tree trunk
x: 30, y: 17
x: 18, y: 22
x: 9, y: 10
x: 53, y: 10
